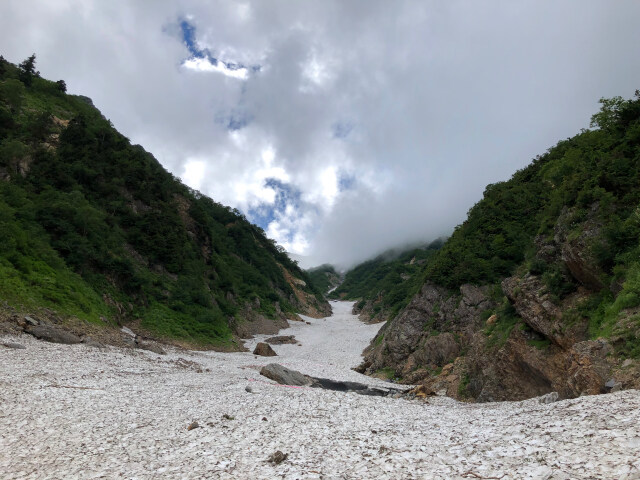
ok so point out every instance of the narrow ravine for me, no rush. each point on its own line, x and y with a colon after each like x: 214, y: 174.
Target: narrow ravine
x: 329, y: 347
x: 81, y: 412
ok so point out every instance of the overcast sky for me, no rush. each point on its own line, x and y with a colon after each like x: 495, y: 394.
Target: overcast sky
x: 340, y: 127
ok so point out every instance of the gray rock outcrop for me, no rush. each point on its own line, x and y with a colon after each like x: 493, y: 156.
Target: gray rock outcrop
x: 52, y: 334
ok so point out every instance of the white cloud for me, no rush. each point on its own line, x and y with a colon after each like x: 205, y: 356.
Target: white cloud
x: 423, y: 104
x: 205, y: 65
x: 193, y: 174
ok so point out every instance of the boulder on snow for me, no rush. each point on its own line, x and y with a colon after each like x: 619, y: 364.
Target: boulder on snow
x: 548, y: 398
x: 264, y: 349
x: 152, y: 347
x: 284, y: 376
x: 52, y: 334
x: 90, y: 342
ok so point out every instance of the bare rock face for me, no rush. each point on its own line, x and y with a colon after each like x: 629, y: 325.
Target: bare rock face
x: 367, y: 311
x: 542, y: 354
x: 49, y: 333
x: 264, y: 349
x: 518, y: 370
x: 413, y: 340
x: 589, y: 369
x: 575, y: 247
x: 531, y: 301
x: 434, y: 351
x: 440, y: 341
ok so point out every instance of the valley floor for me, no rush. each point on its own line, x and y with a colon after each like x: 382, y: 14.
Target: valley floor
x: 81, y: 412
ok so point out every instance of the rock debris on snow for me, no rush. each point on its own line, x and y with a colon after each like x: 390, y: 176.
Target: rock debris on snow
x: 278, y: 457
x: 123, y: 413
x: 193, y: 426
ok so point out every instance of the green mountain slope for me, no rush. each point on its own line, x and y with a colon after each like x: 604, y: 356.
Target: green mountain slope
x: 384, y: 285
x: 591, y: 180
x: 93, y: 227
x: 544, y: 272
x: 324, y: 278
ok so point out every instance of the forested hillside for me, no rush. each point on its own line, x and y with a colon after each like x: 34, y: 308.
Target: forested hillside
x: 544, y: 272
x: 94, y: 227
x: 384, y: 285
x: 324, y: 277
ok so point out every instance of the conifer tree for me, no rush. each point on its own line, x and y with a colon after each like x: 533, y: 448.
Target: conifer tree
x: 28, y: 70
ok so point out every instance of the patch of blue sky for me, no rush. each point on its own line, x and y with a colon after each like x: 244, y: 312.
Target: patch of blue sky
x: 188, y: 31
x: 346, y: 181
x: 262, y: 215
x: 235, y: 119
x: 341, y: 129
x: 286, y: 195
x: 189, y: 38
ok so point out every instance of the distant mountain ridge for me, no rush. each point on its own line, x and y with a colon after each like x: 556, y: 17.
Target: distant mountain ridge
x: 325, y: 278
x: 386, y: 284
x: 95, y: 228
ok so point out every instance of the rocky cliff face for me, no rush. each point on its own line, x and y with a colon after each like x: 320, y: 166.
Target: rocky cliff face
x: 513, y: 341
x: 369, y: 311
x: 429, y: 333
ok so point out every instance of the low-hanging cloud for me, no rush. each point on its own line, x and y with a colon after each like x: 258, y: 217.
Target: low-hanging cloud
x: 342, y: 128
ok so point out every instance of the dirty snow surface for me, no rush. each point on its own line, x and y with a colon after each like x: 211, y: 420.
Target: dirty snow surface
x: 72, y: 411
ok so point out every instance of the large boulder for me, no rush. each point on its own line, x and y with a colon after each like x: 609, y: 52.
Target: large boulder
x: 49, y: 333
x: 284, y: 376
x: 264, y: 349
x: 150, y: 346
